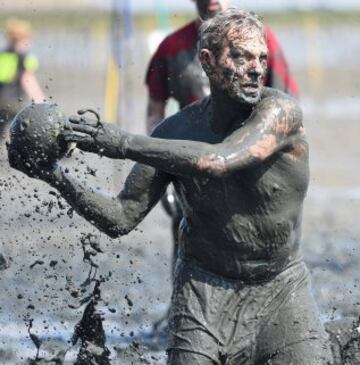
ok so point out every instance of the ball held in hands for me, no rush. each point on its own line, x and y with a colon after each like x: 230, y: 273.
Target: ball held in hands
x: 35, y: 138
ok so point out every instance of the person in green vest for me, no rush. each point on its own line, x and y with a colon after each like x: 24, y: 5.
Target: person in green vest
x: 18, y: 83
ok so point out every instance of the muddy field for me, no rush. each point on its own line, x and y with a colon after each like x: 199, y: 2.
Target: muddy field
x: 40, y: 241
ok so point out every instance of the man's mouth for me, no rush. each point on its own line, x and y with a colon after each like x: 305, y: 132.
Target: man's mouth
x: 213, y: 6
x: 251, y: 86
x: 251, y: 89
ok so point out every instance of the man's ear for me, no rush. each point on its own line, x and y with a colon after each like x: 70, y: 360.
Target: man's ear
x: 207, y: 60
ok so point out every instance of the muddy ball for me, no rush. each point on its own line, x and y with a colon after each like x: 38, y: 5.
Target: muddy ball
x: 35, y: 134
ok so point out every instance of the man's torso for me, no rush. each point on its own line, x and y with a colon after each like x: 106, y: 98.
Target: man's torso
x: 246, y: 224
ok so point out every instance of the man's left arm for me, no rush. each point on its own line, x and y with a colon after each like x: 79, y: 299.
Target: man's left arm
x: 272, y: 126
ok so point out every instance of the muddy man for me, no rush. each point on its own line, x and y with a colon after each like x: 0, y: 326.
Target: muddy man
x: 239, y: 161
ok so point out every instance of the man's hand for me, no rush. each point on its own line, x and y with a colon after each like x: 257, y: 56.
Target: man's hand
x: 95, y: 136
x: 30, y: 168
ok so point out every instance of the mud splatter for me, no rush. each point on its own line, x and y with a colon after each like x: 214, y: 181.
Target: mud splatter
x: 345, y: 340
x: 91, y: 333
x: 4, y: 264
x: 57, y: 350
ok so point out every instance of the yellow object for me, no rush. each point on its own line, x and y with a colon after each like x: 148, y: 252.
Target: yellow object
x: 31, y: 63
x: 314, y: 64
x: 112, y: 91
x: 8, y: 66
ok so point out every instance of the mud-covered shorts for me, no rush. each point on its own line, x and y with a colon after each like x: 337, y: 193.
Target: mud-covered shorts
x: 215, y: 320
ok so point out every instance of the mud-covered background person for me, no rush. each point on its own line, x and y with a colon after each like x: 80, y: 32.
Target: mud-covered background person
x: 239, y: 161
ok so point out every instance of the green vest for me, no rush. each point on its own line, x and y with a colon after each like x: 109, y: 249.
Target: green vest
x: 12, y: 67
x: 12, y: 64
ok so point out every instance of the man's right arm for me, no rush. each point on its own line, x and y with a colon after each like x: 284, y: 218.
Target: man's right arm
x: 155, y: 113
x: 115, y: 216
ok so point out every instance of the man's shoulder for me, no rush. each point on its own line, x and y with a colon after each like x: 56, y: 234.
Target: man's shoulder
x: 277, y: 98
x: 191, y: 117
x: 282, y: 107
x: 182, y: 38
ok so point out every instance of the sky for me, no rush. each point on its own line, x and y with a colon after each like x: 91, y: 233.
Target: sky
x: 263, y: 5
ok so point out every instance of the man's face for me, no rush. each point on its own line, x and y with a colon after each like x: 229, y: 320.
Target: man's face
x: 240, y: 68
x: 209, y: 8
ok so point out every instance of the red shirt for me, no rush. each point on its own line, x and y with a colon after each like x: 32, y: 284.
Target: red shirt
x: 175, y: 70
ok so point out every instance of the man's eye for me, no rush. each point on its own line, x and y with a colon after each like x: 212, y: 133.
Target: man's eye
x: 263, y: 58
x: 240, y: 59
x: 237, y: 55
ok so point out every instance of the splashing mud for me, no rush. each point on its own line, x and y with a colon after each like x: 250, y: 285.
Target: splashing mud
x: 89, y: 331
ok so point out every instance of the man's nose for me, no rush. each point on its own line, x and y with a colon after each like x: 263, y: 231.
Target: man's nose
x: 256, y: 69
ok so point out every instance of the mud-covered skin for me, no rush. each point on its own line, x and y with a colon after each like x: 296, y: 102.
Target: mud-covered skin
x: 238, y: 160
x: 236, y: 67
x: 242, y: 193
x: 241, y: 190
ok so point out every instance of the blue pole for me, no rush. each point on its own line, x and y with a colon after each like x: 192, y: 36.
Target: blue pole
x: 127, y: 18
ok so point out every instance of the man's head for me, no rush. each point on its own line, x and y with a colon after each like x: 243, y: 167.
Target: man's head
x: 18, y: 33
x: 233, y: 53
x: 209, y: 8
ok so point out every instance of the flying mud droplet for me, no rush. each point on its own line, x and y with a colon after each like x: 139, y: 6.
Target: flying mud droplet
x: 3, y: 263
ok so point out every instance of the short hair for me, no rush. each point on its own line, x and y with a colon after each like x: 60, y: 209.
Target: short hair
x: 17, y: 29
x: 213, y: 31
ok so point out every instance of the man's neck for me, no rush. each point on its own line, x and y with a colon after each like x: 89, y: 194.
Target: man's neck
x: 227, y: 114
